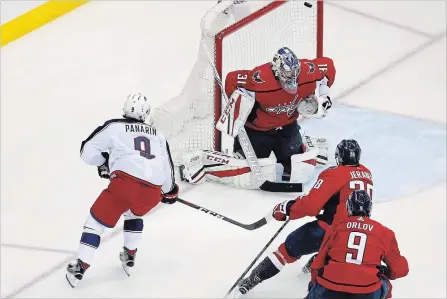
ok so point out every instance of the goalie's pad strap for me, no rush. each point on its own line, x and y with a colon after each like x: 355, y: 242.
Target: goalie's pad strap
x: 236, y: 112
x: 229, y: 172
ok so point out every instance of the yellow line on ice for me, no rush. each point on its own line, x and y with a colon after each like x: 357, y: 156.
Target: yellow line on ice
x: 36, y: 18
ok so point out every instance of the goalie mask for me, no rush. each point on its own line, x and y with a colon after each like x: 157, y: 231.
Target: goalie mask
x: 286, y: 67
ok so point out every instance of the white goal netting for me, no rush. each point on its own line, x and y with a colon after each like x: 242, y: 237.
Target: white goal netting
x: 247, y: 38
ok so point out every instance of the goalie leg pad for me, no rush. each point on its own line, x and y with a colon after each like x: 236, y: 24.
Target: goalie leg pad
x: 235, y: 114
x: 321, y: 145
x: 234, y: 172
x: 303, y: 165
x: 193, y: 170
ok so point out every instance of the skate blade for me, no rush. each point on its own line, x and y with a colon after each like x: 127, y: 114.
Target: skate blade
x: 126, y: 269
x: 72, y: 281
x: 304, y: 271
x: 235, y: 293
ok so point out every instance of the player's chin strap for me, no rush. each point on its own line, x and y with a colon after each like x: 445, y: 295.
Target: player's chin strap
x: 250, y: 156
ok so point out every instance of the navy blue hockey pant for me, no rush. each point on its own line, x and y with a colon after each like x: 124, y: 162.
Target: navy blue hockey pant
x: 319, y: 292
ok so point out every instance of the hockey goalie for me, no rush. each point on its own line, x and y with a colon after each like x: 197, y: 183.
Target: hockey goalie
x: 264, y: 104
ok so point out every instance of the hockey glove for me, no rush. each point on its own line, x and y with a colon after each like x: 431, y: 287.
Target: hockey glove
x: 171, y: 197
x: 383, y: 271
x: 282, y: 210
x: 324, y: 104
x: 103, y: 170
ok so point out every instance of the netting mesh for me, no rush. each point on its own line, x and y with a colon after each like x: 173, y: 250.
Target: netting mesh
x: 188, y: 119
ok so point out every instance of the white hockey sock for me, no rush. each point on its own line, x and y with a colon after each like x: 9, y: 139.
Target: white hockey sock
x: 90, y: 240
x: 133, y: 227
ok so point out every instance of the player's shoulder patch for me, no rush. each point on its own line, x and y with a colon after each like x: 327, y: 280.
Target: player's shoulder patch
x: 257, y: 77
x: 262, y: 79
x: 310, y: 67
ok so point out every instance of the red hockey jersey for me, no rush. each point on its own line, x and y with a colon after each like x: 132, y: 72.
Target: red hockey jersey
x: 351, y: 253
x: 330, y: 192
x: 274, y: 106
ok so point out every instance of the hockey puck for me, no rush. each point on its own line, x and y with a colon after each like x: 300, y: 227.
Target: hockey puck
x: 307, y: 4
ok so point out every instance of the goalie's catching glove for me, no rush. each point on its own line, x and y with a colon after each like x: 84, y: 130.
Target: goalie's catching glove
x: 171, y: 196
x: 103, y: 170
x: 282, y: 210
x: 324, y: 103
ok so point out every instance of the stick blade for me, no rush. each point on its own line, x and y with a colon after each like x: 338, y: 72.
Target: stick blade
x: 282, y: 187
x: 256, y: 225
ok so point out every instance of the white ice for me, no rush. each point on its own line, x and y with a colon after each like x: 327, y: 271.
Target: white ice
x: 64, y: 79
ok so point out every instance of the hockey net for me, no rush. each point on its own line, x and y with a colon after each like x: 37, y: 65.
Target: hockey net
x: 188, y: 120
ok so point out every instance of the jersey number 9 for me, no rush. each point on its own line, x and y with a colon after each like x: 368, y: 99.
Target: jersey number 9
x: 143, y: 145
x: 357, y: 242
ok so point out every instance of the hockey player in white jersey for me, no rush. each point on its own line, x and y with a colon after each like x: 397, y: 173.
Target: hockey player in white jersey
x: 136, y: 159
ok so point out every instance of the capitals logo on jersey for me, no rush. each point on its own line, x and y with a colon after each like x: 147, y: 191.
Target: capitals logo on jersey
x: 289, y: 109
x: 257, y: 77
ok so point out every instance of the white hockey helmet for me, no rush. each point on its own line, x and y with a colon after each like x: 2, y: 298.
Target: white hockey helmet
x: 137, y: 106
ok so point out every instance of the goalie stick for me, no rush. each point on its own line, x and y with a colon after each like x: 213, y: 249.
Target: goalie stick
x: 252, y: 226
x: 248, y: 150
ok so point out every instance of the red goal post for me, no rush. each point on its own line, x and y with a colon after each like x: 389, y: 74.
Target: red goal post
x: 219, y: 57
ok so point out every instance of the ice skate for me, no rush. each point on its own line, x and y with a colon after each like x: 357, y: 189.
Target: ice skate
x: 306, y: 268
x: 244, y: 286
x: 127, y: 258
x: 75, y: 272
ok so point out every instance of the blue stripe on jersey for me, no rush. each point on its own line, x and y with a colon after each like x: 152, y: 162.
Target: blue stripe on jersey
x: 133, y: 225
x: 99, y: 221
x: 171, y: 165
x: 109, y: 122
x: 91, y: 240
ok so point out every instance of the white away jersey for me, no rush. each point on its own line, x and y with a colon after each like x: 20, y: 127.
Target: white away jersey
x: 135, y: 148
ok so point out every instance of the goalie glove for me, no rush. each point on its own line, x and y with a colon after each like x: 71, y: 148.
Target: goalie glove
x: 171, y: 196
x: 281, y: 211
x: 313, y: 107
x: 103, y: 170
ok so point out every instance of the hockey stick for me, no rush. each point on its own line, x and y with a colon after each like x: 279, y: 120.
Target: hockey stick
x: 248, y: 150
x: 251, y: 226
x: 257, y: 257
